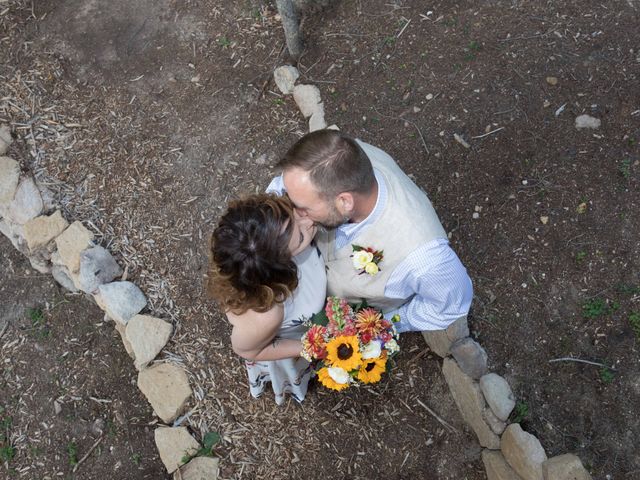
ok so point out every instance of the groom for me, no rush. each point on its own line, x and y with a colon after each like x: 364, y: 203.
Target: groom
x: 368, y: 204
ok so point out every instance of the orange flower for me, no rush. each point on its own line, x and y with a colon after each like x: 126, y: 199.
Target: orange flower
x: 370, y: 324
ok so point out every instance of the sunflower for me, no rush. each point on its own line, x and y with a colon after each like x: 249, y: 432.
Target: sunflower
x: 371, y: 370
x: 324, y: 376
x: 343, y: 352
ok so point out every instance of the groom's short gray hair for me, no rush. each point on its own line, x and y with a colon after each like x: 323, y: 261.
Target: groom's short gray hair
x: 335, y: 163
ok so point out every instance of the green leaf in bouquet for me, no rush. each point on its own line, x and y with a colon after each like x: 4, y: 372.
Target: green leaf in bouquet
x: 356, y: 307
x: 320, y: 318
x: 356, y: 248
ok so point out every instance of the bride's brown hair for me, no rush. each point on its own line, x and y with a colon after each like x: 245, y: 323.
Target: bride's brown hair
x: 250, y: 265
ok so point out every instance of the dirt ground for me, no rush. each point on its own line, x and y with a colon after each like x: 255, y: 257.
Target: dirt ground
x: 145, y: 117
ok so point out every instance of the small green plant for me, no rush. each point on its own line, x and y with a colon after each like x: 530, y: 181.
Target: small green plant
x: 7, y: 451
x: 136, y: 458
x: 580, y: 256
x: 36, y: 315
x: 594, y: 308
x: 256, y: 14
x: 634, y: 320
x: 278, y: 101
x: 391, y: 40
x: 625, y: 168
x: 474, y: 46
x: 208, y: 442
x: 520, y: 412
x: 224, y: 42
x: 606, y: 375
x: 72, y: 453
x: 450, y: 22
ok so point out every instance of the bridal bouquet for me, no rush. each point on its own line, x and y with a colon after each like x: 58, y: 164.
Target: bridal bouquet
x: 349, y: 343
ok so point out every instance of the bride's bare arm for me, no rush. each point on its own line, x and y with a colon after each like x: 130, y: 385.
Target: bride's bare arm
x: 254, y: 336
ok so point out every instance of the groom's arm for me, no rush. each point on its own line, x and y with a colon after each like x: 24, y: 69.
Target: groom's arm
x: 440, y: 287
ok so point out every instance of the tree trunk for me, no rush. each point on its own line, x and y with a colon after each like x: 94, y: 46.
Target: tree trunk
x: 291, y: 22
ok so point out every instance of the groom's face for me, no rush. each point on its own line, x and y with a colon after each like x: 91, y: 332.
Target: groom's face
x: 308, y: 200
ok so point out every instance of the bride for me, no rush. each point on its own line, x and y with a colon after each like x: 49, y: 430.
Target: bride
x: 268, y: 278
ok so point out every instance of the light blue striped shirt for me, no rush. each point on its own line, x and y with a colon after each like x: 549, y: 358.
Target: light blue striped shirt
x: 432, y: 276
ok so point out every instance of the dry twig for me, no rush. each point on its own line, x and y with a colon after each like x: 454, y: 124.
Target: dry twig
x: 86, y: 455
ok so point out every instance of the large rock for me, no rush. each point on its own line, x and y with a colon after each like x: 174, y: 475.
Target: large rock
x: 97, y: 267
x: 147, y: 336
x: 120, y: 300
x: 43, y: 229
x: 199, y: 468
x: 285, y: 77
x: 122, y: 330
x: 496, y: 425
x: 439, y: 341
x: 15, y: 233
x: 71, y: 243
x: 564, y: 467
x: 173, y: 445
x: 166, y: 386
x: 498, y: 394
x: 316, y: 121
x: 9, y: 177
x: 62, y: 276
x: 27, y: 202
x: 468, y: 397
x: 497, y: 467
x: 307, y: 98
x: 5, y: 139
x: 471, y: 357
x: 523, y: 452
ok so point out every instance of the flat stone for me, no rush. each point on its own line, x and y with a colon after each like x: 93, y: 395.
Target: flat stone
x: 120, y: 300
x: 199, y: 468
x: 15, y: 233
x: 497, y: 467
x: 564, y: 467
x: 498, y: 394
x: 316, y: 121
x: 468, y: 397
x: 147, y: 336
x: 173, y: 445
x: 166, y: 386
x: 27, y: 202
x: 9, y: 178
x: 122, y: 330
x: 61, y: 275
x: 471, y: 357
x: 307, y: 98
x: 587, y: 121
x: 40, y: 264
x: 5, y: 139
x: 43, y: 229
x: 439, y: 341
x: 497, y: 426
x: 552, y: 80
x: 523, y: 452
x: 71, y: 243
x: 97, y: 267
x: 285, y: 78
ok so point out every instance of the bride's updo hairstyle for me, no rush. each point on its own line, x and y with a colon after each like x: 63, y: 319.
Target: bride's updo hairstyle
x: 250, y: 265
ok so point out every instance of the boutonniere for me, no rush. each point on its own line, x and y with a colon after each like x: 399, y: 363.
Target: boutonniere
x: 366, y: 259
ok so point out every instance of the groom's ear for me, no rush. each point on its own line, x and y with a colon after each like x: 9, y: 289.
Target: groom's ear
x: 345, y: 202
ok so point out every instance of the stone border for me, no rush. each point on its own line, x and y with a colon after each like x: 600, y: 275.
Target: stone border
x: 68, y: 253
x: 485, y: 400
